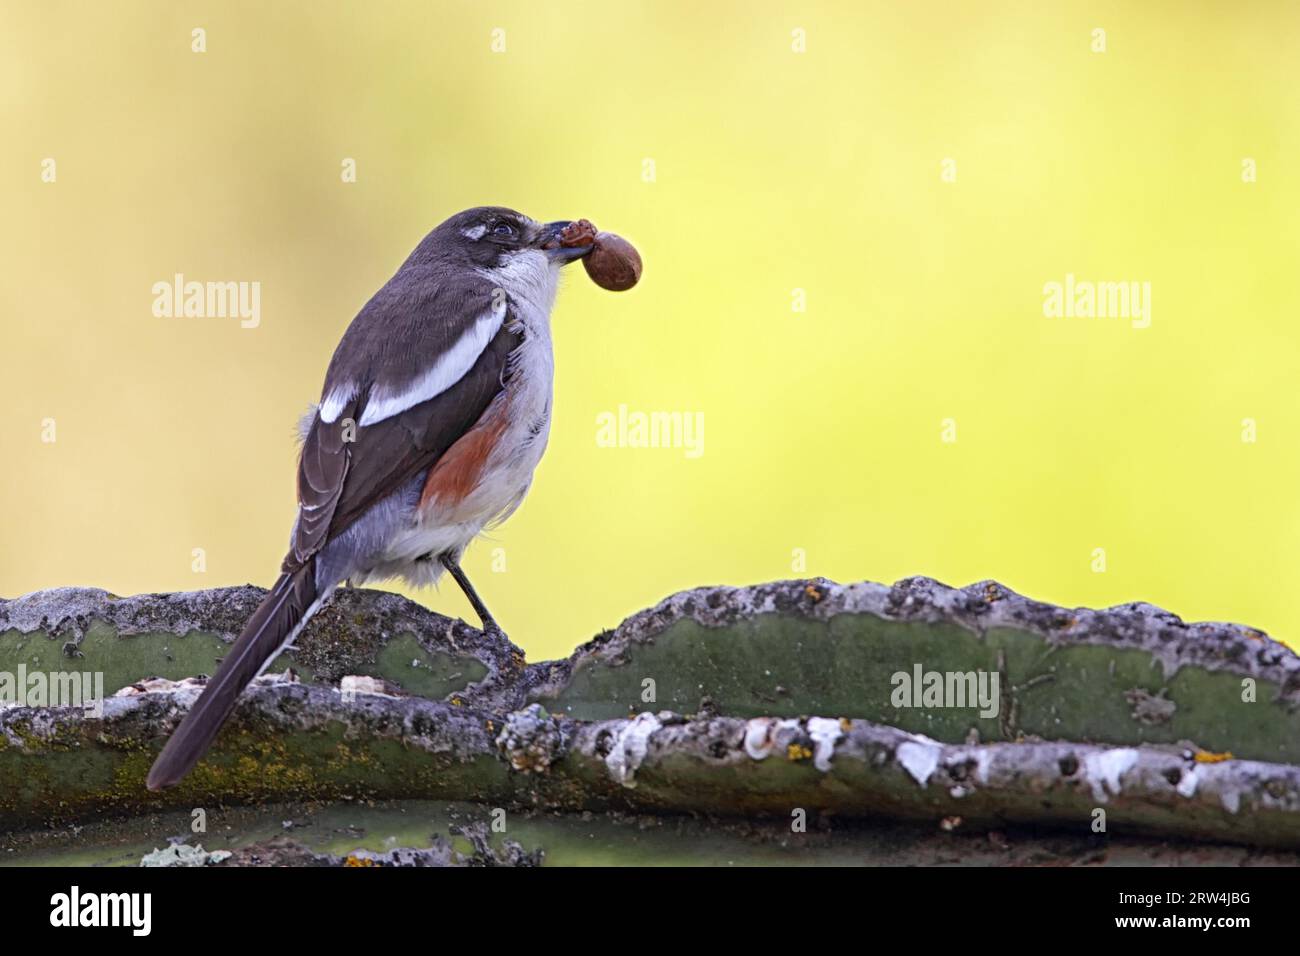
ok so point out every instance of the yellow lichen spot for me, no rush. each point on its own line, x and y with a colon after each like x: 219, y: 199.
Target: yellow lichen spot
x: 797, y: 751
x: 813, y: 592
x: 457, y: 702
x: 1206, y: 756
x: 845, y: 724
x: 358, y: 861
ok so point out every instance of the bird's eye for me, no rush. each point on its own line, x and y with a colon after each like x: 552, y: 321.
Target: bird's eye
x: 503, y: 229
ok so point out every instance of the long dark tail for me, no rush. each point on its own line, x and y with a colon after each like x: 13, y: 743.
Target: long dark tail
x: 287, y: 606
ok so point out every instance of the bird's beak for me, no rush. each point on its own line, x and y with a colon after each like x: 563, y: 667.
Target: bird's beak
x: 579, y: 243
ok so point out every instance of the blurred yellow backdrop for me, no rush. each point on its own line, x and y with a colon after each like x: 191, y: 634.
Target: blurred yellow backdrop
x: 911, y: 175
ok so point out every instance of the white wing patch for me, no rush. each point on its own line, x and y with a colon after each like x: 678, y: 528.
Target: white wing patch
x: 450, y: 367
x: 333, y: 405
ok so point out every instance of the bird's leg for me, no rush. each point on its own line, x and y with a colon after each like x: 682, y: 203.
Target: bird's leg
x: 485, y: 617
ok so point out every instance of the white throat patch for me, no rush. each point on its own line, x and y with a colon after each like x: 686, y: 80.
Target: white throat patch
x: 529, y: 278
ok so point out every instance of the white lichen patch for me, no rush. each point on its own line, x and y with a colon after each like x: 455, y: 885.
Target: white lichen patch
x: 758, y: 738
x: 191, y: 687
x: 765, y: 735
x: 1229, y: 792
x: 919, y: 756
x: 825, y: 732
x: 182, y: 854
x: 530, y: 739
x: 1230, y: 797
x: 354, y: 685
x: 154, y: 685
x: 630, y: 747
x: 1104, y: 768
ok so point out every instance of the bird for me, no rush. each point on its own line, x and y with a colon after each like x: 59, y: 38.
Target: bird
x: 434, y: 414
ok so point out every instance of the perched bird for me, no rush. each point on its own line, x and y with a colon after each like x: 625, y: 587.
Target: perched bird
x: 435, y: 411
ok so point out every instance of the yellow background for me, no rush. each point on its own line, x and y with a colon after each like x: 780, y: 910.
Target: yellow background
x: 774, y: 170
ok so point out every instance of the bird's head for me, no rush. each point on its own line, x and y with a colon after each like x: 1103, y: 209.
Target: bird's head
x: 495, y: 238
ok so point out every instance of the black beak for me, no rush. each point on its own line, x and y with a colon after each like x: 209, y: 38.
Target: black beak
x: 549, y: 241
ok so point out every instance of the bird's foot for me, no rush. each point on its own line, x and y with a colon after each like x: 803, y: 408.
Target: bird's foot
x: 487, y: 628
x: 491, y: 628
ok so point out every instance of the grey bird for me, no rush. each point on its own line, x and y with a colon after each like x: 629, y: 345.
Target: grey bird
x: 434, y: 414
